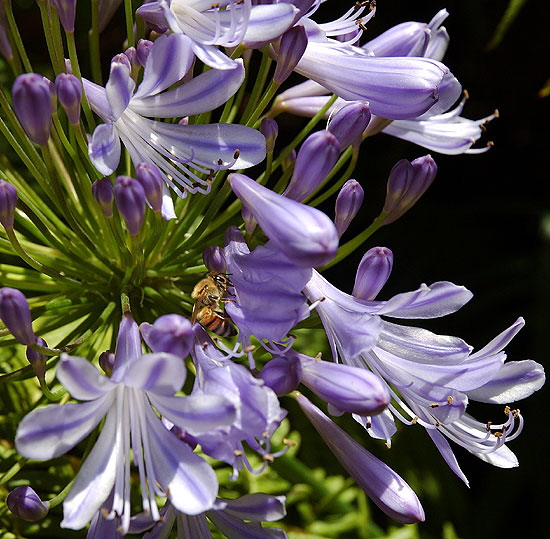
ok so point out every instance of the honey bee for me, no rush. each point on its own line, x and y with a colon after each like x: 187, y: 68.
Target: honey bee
x: 208, y: 294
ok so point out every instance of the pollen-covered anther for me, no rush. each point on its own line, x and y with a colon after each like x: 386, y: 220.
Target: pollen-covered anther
x: 506, y: 410
x: 449, y: 399
x: 434, y: 405
x: 414, y: 420
x: 516, y: 413
x: 268, y: 458
x: 498, y: 434
x: 238, y: 452
x: 249, y: 348
x: 289, y: 443
x: 319, y: 356
x: 236, y: 154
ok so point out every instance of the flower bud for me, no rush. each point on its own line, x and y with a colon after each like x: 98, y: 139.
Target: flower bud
x: 348, y: 202
x: 69, y: 94
x: 304, y: 234
x: 269, y: 129
x: 289, y: 161
x: 130, y: 201
x: 16, y: 315
x: 107, y: 362
x: 37, y: 360
x: 170, y: 333
x: 382, y: 485
x: 350, y: 389
x: 406, y: 184
x: 214, y: 258
x: 291, y: 49
x: 66, y: 11
x: 373, y: 272
x: 5, y: 47
x: 348, y: 123
x: 143, y: 49
x: 317, y: 155
x: 151, y: 179
x: 283, y: 373
x: 25, y: 503
x: 104, y: 193
x: 32, y: 103
x: 8, y: 201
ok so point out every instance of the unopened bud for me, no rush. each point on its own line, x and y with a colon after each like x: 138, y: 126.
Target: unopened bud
x: 317, y: 155
x: 291, y: 49
x: 16, y: 315
x: 130, y: 201
x: 66, y: 11
x: 406, y: 184
x: 32, y: 102
x: 104, y: 194
x: 69, y: 94
x: 269, y: 129
x: 347, y: 205
x: 373, y: 272
x: 143, y: 49
x: 170, y: 333
x: 214, y: 258
x: 37, y: 359
x: 107, y: 362
x: 8, y: 201
x: 25, y: 503
x: 151, y: 179
x: 348, y: 123
x: 283, y: 373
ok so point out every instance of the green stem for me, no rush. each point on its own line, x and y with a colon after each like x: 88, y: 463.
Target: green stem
x: 93, y: 40
x: 17, y: 37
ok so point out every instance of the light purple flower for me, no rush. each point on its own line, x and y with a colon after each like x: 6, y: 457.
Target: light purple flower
x: 226, y: 23
x: 16, y: 315
x: 348, y: 203
x: 25, y: 503
x: 8, y: 202
x: 179, y: 151
x: 265, y: 276
x: 381, y: 484
x: 167, y: 466
x: 430, y: 376
x: 304, y: 234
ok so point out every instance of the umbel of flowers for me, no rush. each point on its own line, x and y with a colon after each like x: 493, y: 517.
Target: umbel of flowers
x: 164, y: 266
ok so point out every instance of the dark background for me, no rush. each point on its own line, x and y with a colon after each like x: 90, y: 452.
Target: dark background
x: 484, y: 223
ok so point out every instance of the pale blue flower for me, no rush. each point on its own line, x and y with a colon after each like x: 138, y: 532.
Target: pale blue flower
x: 181, y: 152
x: 167, y: 466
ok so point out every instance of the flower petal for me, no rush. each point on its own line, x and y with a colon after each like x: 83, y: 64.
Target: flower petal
x: 104, y: 149
x: 82, y: 379
x: 49, y: 432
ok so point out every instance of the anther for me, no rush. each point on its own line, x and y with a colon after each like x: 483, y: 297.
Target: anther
x: 236, y: 154
x: 289, y: 443
x: 414, y: 420
x: 249, y: 348
x: 434, y: 405
x: 268, y: 458
x: 238, y: 452
x: 449, y: 399
x: 319, y: 356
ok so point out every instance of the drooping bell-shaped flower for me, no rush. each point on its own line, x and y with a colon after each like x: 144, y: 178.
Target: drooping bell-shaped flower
x: 168, y: 466
x: 381, y: 484
x: 348, y: 203
x: 269, y: 129
x: 8, y: 202
x: 151, y: 179
x: 130, y: 201
x: 304, y: 234
x: 32, y: 102
x: 315, y: 159
x: 25, y: 504
x: 407, y: 182
x: 16, y: 315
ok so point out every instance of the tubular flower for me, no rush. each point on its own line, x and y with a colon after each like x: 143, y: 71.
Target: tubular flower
x: 430, y: 376
x: 226, y: 23
x: 181, y: 152
x: 166, y: 465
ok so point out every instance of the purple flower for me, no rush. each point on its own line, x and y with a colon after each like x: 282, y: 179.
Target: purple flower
x: 130, y: 201
x: 138, y: 382
x: 226, y: 23
x: 348, y: 123
x: 181, y: 152
x: 170, y: 333
x: 104, y: 194
x: 265, y: 276
x: 32, y: 102
x: 381, y: 484
x: 430, y: 376
x: 290, y: 49
x: 66, y: 11
x: 304, y: 234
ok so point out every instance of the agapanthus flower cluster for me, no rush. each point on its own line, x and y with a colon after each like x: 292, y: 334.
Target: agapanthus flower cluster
x: 165, y: 260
